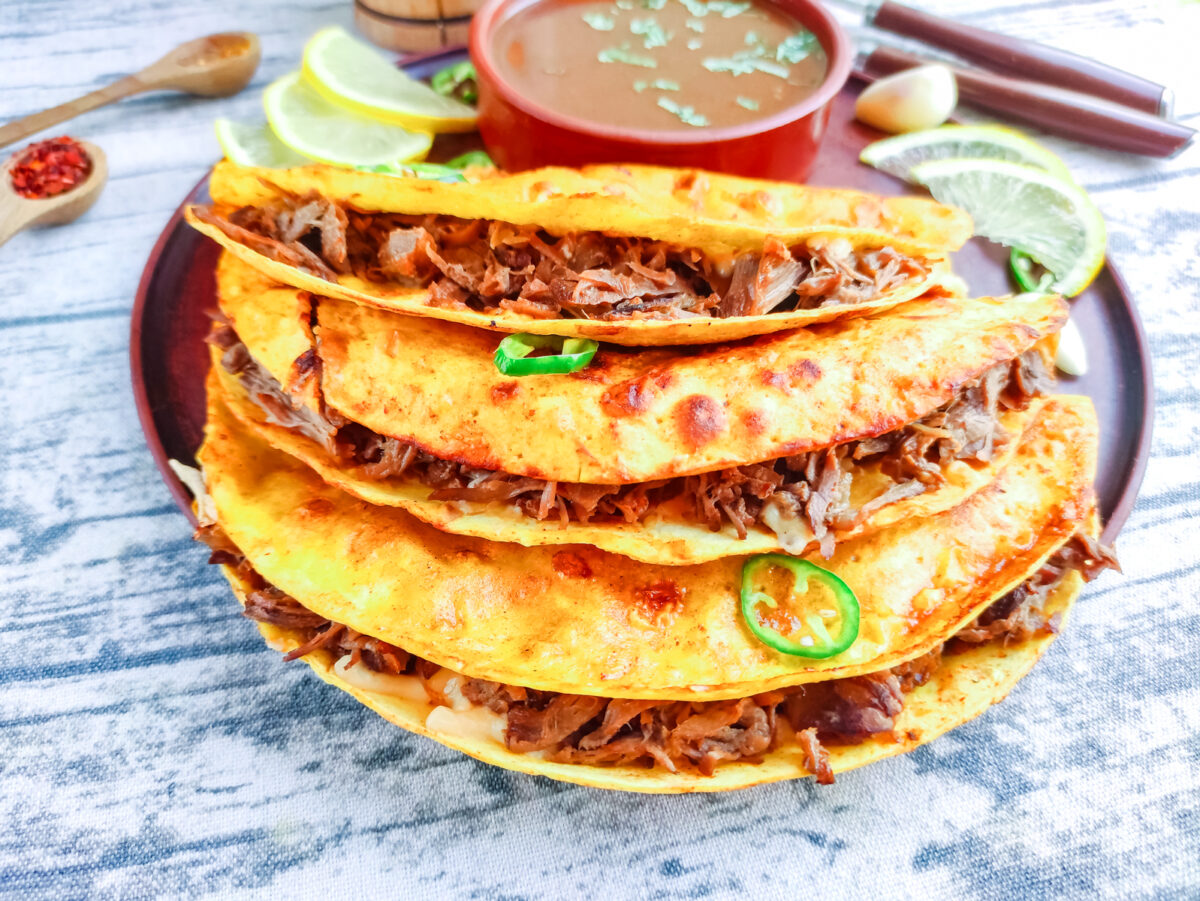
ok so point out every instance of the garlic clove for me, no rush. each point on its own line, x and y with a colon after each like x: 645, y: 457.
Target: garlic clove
x: 911, y: 100
x: 1071, y: 356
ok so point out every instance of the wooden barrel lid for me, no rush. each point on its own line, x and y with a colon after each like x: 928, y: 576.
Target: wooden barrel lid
x: 415, y: 25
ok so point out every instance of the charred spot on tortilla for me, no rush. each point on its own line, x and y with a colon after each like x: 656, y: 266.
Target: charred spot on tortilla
x: 805, y: 372
x: 571, y: 565
x: 316, y: 508
x: 505, y: 391
x: 699, y: 420
x: 756, y: 421
x: 773, y: 379
x: 662, y: 598
x: 635, y: 396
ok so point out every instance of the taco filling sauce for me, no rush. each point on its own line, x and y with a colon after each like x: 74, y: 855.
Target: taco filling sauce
x: 660, y: 65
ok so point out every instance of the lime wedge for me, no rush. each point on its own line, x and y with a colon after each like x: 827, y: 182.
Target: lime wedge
x: 254, y: 144
x: 1043, y: 215
x: 309, y: 124
x: 353, y: 74
x: 897, y: 156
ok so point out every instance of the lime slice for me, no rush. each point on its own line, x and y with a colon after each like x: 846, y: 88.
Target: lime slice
x: 309, y: 124
x: 353, y: 74
x: 1047, y: 217
x: 897, y: 156
x: 254, y: 144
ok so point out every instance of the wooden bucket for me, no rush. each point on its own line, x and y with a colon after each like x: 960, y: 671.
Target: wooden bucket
x: 415, y: 25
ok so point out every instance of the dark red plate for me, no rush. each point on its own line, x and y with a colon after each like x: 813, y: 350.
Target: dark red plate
x: 177, y: 291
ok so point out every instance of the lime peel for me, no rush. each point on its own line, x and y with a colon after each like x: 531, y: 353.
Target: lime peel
x: 255, y: 144
x: 1047, y: 217
x: 311, y: 125
x: 898, y: 155
x: 353, y: 74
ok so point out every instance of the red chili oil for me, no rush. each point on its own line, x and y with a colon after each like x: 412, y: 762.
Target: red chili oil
x: 49, y: 168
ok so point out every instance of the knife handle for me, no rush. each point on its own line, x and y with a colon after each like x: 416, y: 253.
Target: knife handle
x: 1026, y: 59
x: 1067, y: 113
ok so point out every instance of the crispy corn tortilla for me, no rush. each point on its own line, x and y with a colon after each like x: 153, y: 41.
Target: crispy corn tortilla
x: 274, y: 320
x: 635, y: 417
x: 576, y: 619
x: 669, y: 537
x: 961, y: 689
x: 715, y: 213
x: 709, y: 211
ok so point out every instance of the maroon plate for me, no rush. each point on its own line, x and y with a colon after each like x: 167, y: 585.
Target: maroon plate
x: 178, y: 291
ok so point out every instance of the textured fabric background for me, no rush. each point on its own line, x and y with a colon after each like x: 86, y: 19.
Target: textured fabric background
x: 151, y: 746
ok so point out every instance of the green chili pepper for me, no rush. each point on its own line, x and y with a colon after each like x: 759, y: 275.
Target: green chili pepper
x: 460, y: 75
x: 471, y: 158
x: 512, y: 356
x: 1021, y: 265
x: 811, y: 636
x: 432, y: 171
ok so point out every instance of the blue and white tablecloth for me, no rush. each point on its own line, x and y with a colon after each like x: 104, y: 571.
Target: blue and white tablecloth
x: 150, y: 745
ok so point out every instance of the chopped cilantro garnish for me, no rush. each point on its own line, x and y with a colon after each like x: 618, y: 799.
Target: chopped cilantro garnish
x: 651, y: 33
x: 659, y: 84
x: 747, y: 103
x: 599, y: 20
x: 623, y: 54
x: 727, y: 8
x: 744, y: 62
x: 686, y: 114
x: 654, y: 4
x: 797, y: 47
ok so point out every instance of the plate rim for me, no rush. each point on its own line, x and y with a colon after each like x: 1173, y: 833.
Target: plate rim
x: 141, y: 398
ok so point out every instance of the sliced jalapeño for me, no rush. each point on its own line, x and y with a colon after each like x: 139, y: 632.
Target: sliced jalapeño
x: 794, y: 623
x: 569, y: 354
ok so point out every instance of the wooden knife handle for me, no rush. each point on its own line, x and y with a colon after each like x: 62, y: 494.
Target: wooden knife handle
x: 1080, y: 116
x: 1026, y: 59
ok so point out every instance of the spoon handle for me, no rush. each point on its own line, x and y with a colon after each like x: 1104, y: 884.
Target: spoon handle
x: 23, y: 128
x: 14, y: 215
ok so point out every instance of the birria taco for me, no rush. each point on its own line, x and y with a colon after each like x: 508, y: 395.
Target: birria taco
x: 590, y: 667
x: 626, y: 255
x: 788, y: 442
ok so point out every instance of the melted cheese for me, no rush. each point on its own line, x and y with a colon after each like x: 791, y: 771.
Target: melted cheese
x: 475, y: 723
x: 361, y: 677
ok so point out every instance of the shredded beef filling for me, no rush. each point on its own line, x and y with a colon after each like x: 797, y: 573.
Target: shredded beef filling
x: 790, y: 495
x: 676, y: 735
x: 489, y: 266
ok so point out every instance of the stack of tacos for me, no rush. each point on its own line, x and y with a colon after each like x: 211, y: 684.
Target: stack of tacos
x: 806, y: 507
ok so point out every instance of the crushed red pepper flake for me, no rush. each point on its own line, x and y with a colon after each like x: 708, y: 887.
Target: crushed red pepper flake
x: 49, y: 168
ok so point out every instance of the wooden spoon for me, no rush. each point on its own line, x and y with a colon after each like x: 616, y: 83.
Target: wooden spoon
x: 17, y: 212
x: 213, y: 66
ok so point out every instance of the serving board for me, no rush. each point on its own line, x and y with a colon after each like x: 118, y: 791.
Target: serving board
x: 177, y: 294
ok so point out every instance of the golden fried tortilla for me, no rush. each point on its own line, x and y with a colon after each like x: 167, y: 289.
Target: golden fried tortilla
x: 575, y: 619
x: 718, y: 214
x: 634, y: 417
x: 963, y: 687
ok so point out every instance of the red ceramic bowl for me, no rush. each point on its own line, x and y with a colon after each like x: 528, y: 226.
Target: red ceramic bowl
x: 522, y: 134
